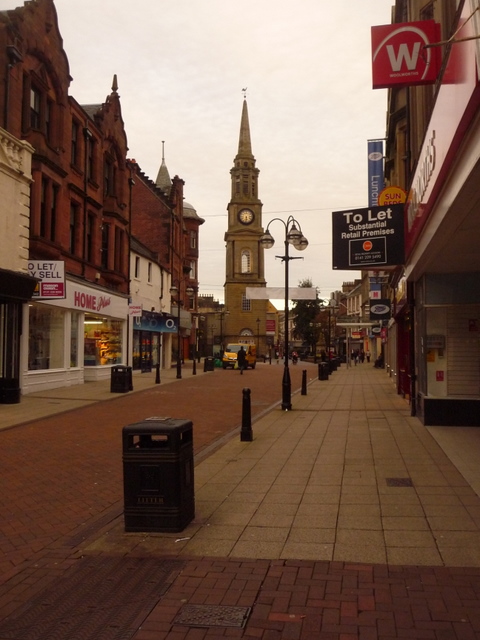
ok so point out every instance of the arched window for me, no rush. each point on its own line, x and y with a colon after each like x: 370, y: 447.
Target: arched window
x: 246, y: 261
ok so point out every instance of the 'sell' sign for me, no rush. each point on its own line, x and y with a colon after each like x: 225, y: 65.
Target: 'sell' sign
x: 365, y: 238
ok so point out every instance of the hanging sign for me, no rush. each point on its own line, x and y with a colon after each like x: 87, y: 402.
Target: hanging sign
x: 364, y: 238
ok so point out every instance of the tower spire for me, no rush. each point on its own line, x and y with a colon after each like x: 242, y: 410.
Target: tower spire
x: 163, y: 177
x: 244, y: 142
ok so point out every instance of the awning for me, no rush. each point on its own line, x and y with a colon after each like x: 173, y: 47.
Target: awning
x: 16, y: 286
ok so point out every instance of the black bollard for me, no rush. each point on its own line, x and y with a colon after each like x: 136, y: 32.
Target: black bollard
x: 246, y: 433
x: 304, y: 382
x: 194, y: 370
x: 157, y: 374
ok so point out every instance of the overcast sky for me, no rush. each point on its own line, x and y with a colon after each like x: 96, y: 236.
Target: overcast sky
x: 181, y: 66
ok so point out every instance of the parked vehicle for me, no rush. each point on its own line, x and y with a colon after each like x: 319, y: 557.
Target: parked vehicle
x: 230, y: 355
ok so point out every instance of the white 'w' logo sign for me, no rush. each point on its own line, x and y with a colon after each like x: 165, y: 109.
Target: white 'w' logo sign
x: 403, y: 54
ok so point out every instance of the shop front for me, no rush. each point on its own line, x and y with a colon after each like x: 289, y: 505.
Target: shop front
x: 73, y: 340
x: 148, y: 330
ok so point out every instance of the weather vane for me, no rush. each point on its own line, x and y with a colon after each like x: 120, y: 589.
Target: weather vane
x: 245, y: 92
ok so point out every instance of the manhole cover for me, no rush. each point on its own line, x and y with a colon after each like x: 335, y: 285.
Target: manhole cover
x: 399, y: 482
x: 98, y: 598
x: 205, y: 615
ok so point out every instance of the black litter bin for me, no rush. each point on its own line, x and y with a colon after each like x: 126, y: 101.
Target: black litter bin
x: 158, y: 475
x: 333, y: 365
x: 323, y: 370
x: 209, y: 364
x: 9, y: 391
x: 121, y: 379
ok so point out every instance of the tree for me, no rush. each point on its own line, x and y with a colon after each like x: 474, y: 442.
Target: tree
x: 305, y: 313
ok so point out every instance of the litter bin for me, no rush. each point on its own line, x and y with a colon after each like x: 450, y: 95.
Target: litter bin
x: 121, y: 379
x: 9, y: 391
x: 333, y: 365
x: 323, y: 370
x: 209, y: 364
x: 158, y: 475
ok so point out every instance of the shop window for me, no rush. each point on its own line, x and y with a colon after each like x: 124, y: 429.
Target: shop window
x: 103, y: 341
x: 46, y: 338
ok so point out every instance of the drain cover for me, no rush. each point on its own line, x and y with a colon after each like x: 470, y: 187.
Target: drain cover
x: 205, y: 615
x: 399, y: 482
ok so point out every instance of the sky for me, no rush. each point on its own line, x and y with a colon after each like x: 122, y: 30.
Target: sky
x: 181, y: 66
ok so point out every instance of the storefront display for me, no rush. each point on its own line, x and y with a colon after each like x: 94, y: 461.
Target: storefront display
x: 103, y: 341
x: 46, y: 340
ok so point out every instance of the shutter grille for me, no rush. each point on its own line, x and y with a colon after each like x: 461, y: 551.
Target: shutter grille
x: 463, y: 352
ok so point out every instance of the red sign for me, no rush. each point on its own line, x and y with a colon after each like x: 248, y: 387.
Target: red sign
x: 401, y: 55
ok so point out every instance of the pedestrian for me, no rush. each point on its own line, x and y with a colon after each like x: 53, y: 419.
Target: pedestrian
x: 241, y: 357
x: 368, y: 356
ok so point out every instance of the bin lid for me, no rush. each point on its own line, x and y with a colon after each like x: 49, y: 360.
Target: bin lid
x: 158, y: 425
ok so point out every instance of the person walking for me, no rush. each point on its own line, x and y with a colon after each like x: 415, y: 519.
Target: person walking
x: 241, y: 358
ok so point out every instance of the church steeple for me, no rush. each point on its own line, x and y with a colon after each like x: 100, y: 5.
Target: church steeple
x: 244, y: 142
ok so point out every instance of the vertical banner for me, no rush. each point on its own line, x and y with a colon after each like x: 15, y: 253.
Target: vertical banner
x: 375, y: 171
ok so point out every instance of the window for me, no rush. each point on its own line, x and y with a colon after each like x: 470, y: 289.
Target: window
x: 109, y: 176
x: 118, y: 259
x: 43, y: 207
x: 105, y: 245
x: 245, y: 303
x: 49, y: 196
x: 53, y: 211
x: 103, y: 341
x: 90, y: 157
x: 35, y: 103
x: 72, y: 236
x: 149, y: 272
x: 193, y: 239
x: 74, y: 144
x: 46, y: 339
x: 137, y: 267
x: 246, y: 261
x: 90, y: 236
x: 49, y: 107
x: 193, y: 270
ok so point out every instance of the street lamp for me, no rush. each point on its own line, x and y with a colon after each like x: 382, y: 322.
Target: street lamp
x: 295, y: 237
x: 175, y: 294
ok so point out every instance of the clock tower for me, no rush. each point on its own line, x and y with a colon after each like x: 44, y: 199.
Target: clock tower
x: 246, y: 319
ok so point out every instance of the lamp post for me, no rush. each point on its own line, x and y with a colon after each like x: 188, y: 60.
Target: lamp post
x: 175, y: 294
x: 295, y: 237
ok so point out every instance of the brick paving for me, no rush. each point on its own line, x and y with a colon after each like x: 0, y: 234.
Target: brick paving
x: 62, y: 490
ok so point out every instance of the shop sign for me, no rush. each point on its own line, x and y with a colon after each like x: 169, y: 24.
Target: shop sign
x: 375, y: 171
x: 135, y: 310
x: 402, y: 54
x: 392, y: 195
x: 156, y: 322
x: 370, y: 237
x: 457, y: 102
x: 380, y: 310
x: 92, y: 300
x: 270, y: 327
x: 51, y: 276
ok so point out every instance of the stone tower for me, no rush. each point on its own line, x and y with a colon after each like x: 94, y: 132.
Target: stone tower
x: 245, y: 319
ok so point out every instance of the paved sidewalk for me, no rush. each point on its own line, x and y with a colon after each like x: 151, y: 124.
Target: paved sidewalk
x: 344, y: 518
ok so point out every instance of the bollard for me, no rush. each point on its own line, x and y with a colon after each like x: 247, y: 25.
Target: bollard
x: 246, y: 433
x: 157, y: 374
x: 194, y: 370
x: 304, y: 382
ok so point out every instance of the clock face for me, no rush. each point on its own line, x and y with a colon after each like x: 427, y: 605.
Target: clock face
x: 245, y: 216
